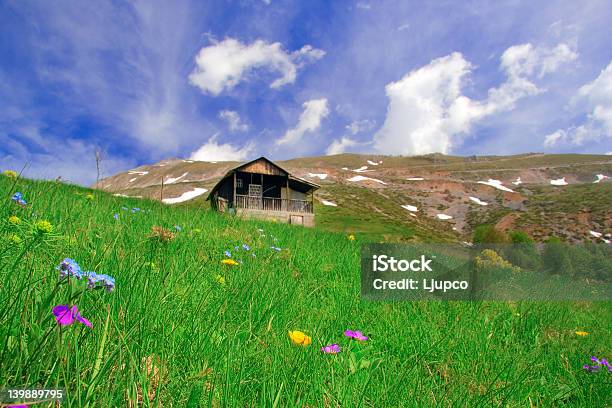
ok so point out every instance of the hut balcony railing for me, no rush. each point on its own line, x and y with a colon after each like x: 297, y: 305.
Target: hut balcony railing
x: 272, y: 204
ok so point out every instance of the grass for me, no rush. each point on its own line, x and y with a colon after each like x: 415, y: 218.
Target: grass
x: 172, y: 335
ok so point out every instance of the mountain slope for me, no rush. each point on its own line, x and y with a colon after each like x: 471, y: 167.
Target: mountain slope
x: 369, y: 192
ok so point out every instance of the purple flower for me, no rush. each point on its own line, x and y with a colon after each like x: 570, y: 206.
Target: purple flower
x: 68, y: 267
x: 228, y: 254
x: 116, y: 216
x: 100, y: 280
x: 18, y: 198
x: 65, y: 315
x: 246, y: 247
x: 595, y: 360
x: 331, y: 349
x: 355, y: 334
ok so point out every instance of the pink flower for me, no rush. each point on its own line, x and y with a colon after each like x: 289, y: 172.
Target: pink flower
x: 355, y: 334
x: 331, y: 349
x: 65, y: 315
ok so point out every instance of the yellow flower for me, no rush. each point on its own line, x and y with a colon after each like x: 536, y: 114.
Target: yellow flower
x: 44, y: 227
x: 229, y: 262
x: 351, y: 237
x: 300, y: 338
x: 582, y: 333
x: 220, y: 280
x: 14, y: 238
x: 15, y: 220
x: 89, y: 197
x: 10, y: 174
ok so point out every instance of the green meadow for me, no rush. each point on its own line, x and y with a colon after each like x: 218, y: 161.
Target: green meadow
x: 182, y: 329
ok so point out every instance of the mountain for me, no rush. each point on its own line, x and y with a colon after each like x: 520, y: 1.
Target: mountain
x: 566, y: 195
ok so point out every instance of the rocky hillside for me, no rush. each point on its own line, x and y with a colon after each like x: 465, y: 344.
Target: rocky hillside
x: 432, y: 197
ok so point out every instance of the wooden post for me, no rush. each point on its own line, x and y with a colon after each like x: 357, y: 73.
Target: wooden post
x: 288, y: 200
x: 234, y: 197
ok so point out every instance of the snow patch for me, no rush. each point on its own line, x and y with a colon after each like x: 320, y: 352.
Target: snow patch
x: 345, y: 168
x: 411, y: 208
x: 412, y: 215
x: 374, y: 163
x: 416, y: 179
x: 185, y: 196
x: 132, y: 180
x: 496, y: 184
x: 329, y: 203
x: 120, y: 195
x: 559, y: 182
x: 518, y: 181
x: 172, y: 180
x: 600, y: 177
x: 596, y: 234
x: 362, y: 169
x: 140, y: 173
x: 322, y: 176
x: 362, y: 178
x: 444, y: 217
x: 478, y: 201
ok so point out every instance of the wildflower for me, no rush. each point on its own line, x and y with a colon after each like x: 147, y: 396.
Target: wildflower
x: 355, y: 334
x: 300, y: 338
x: 277, y: 249
x: 65, y: 315
x: 582, y: 333
x: 260, y: 230
x: 89, y: 197
x: 598, y: 364
x: 44, y: 227
x: 68, y: 267
x: 10, y: 174
x: 15, y: 220
x: 229, y: 262
x: 351, y: 237
x: 331, y: 349
x: 18, y: 198
x: 99, y: 280
x: 220, y: 280
x: 116, y: 216
x: 135, y: 209
x: 15, y: 239
x: 176, y: 227
x: 228, y: 254
x: 246, y: 247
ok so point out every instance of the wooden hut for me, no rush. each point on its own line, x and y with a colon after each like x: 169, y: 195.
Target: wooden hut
x: 262, y: 189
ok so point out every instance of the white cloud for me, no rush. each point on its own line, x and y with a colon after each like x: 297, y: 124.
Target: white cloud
x: 315, y: 110
x: 598, y: 96
x: 555, y: 138
x: 214, y: 151
x: 363, y: 125
x: 224, y: 64
x: 596, y: 100
x: 427, y: 108
x: 340, y: 146
x: 234, y: 122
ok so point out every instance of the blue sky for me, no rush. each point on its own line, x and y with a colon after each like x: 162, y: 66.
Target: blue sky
x: 223, y: 80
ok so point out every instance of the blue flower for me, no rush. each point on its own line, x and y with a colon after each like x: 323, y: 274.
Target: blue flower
x: 68, y: 267
x: 277, y: 249
x: 246, y: 247
x: 135, y: 209
x: 18, y: 198
x: 228, y: 254
x: 100, y: 280
x: 176, y: 227
x: 116, y: 216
